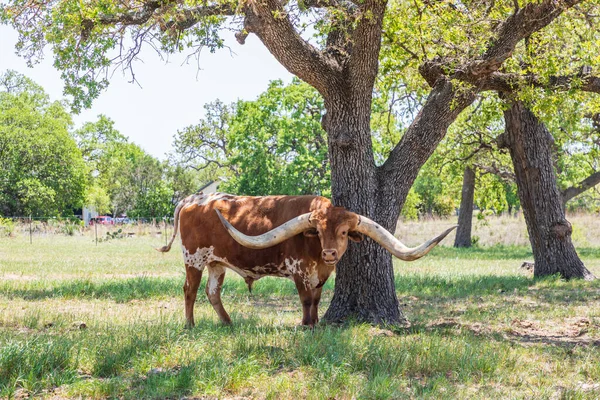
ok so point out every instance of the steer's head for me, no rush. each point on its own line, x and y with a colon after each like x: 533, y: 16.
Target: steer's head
x: 334, y: 226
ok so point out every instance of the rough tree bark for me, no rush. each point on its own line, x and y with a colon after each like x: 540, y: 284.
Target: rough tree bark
x: 364, y: 286
x: 366, y: 267
x: 530, y: 146
x: 465, y: 214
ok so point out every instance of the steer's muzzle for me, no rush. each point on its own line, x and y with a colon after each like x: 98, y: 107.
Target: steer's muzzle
x: 330, y: 256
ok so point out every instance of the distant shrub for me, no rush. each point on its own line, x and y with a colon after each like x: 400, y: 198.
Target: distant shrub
x: 7, y: 227
x: 444, y: 206
x: 112, y: 235
x: 71, y: 226
x: 410, y: 210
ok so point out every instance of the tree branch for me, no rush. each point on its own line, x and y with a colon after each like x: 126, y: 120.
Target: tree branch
x: 131, y: 17
x: 189, y: 17
x: 581, y: 187
x: 524, y: 22
x: 507, y: 83
x: 366, y: 43
x: 502, y: 173
x: 267, y: 19
x: 442, y: 107
x: 271, y: 23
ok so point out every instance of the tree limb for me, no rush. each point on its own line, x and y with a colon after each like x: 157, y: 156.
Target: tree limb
x: 268, y: 19
x: 189, y: 17
x: 366, y: 43
x: 442, y: 107
x: 524, y: 22
x: 131, y: 17
x: 505, y: 82
x: 581, y: 187
x: 270, y: 22
x: 502, y: 173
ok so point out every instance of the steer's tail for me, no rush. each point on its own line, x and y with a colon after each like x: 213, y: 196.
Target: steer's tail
x: 166, y: 248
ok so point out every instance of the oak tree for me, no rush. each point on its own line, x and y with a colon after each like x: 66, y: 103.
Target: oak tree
x: 339, y: 57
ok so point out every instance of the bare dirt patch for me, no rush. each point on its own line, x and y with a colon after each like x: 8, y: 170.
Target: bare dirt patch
x: 569, y: 331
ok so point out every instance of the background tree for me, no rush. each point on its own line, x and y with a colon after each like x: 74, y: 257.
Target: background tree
x: 272, y: 145
x: 41, y: 169
x: 530, y: 146
x: 465, y: 213
x: 123, y: 175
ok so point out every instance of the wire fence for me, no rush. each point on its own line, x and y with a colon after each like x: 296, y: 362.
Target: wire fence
x: 99, y: 231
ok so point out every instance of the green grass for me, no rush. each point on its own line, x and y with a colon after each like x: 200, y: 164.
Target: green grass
x: 480, y: 328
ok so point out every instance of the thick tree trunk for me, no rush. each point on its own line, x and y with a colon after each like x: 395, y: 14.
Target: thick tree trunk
x: 530, y: 146
x: 364, y: 285
x: 465, y: 214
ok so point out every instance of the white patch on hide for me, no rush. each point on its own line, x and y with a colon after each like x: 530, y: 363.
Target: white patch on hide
x: 202, y: 257
x: 214, y: 274
x: 292, y: 265
x: 289, y: 268
x: 313, y: 277
x: 309, y: 276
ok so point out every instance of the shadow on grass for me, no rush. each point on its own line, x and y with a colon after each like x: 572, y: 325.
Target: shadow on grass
x: 454, y: 328
x: 447, y: 289
x: 331, y: 361
x: 443, y: 288
x: 119, y: 290
x: 164, y: 384
x: 453, y: 287
x: 500, y: 252
x: 123, y: 290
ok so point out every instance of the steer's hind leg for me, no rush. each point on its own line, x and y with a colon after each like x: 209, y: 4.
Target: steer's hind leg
x: 216, y: 274
x: 193, y: 276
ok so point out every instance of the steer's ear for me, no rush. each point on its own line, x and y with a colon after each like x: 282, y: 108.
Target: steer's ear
x: 355, y: 236
x: 311, y: 233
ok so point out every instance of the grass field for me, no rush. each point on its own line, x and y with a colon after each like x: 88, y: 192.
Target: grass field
x: 80, y: 321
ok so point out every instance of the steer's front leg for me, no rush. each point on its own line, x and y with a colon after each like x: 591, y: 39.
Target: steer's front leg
x: 314, y: 308
x: 306, y: 298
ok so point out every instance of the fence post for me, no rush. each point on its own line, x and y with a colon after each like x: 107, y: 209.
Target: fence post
x: 165, y: 231
x: 30, y: 229
x: 96, y: 230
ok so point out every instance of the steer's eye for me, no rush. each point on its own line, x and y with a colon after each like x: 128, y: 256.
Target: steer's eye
x: 344, y: 233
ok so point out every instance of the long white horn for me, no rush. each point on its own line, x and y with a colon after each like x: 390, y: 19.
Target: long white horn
x: 275, y: 236
x: 393, y: 245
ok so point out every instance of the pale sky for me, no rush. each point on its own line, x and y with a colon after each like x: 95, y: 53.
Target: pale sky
x: 171, y: 95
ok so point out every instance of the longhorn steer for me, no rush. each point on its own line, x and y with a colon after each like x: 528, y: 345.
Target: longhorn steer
x: 296, y: 237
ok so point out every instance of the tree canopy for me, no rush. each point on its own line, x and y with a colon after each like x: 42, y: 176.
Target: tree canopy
x: 272, y: 145
x: 41, y: 169
x: 124, y: 179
